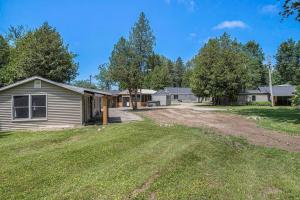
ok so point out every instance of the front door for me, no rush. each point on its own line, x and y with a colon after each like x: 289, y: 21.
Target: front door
x: 126, y: 102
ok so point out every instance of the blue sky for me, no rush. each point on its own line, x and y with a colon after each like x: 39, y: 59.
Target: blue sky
x: 181, y: 27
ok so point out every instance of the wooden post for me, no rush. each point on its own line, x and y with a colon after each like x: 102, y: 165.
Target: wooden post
x: 270, y: 81
x: 104, y: 110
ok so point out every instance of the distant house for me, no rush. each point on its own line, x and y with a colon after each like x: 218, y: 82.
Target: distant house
x: 37, y: 102
x: 163, y: 97
x: 282, y: 94
x: 181, y: 94
x: 123, y: 99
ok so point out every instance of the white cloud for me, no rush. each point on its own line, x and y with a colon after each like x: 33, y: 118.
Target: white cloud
x: 231, y: 24
x: 190, y: 4
x: 272, y: 8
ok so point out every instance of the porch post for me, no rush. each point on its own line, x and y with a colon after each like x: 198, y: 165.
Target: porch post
x: 104, y: 110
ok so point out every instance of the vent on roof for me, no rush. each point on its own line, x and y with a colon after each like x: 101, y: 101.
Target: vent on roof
x: 37, y: 84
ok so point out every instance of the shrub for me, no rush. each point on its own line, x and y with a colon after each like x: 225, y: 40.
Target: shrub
x: 296, y: 97
x: 262, y: 103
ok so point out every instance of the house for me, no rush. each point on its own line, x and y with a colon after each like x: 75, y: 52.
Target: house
x: 37, y: 102
x: 282, y: 94
x: 143, y: 96
x: 163, y: 97
x: 181, y: 94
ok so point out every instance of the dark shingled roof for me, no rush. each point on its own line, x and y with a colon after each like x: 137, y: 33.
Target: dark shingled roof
x: 179, y: 90
x: 278, y: 90
x: 161, y: 92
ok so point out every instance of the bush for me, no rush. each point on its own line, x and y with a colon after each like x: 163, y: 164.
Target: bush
x: 262, y: 103
x: 296, y: 97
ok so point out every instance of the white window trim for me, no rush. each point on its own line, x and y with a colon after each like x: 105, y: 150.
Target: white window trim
x: 29, y: 107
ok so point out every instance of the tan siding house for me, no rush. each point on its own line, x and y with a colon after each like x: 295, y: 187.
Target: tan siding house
x: 40, y: 103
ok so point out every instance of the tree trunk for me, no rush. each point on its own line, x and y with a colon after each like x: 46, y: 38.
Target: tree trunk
x: 135, y: 99
x: 131, y: 99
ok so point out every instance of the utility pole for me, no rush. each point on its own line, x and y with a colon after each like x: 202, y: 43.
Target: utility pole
x: 270, y: 80
x: 90, y: 79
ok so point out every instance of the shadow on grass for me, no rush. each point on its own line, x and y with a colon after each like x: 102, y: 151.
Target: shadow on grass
x: 277, y: 114
x: 4, y: 134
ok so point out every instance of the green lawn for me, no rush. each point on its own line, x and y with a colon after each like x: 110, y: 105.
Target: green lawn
x: 189, y: 163
x: 284, y: 119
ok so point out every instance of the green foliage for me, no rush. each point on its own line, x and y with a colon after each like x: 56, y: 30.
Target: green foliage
x: 291, y: 7
x: 296, y: 97
x: 257, y: 103
x: 104, y: 77
x: 142, y: 41
x: 178, y: 72
x: 4, y: 52
x: 220, y: 69
x: 40, y: 52
x: 159, y: 78
x: 84, y: 84
x: 288, y: 62
x: 15, y: 33
x: 256, y: 70
x: 124, y: 68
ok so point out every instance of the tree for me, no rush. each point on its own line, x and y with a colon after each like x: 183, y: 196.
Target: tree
x: 296, y: 97
x: 177, y: 72
x: 4, y: 52
x: 124, y: 68
x: 15, y: 33
x: 291, y: 7
x: 288, y: 62
x: 142, y: 40
x: 84, y: 84
x: 104, y: 79
x: 257, y: 71
x: 4, y: 57
x: 41, y: 52
x: 220, y: 70
x: 188, y: 73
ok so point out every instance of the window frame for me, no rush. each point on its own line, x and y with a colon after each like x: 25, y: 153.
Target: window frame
x: 29, y: 107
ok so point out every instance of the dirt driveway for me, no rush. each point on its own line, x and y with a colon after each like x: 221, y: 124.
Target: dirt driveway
x: 226, y: 124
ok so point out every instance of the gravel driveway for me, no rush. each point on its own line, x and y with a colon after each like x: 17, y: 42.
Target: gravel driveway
x: 226, y: 124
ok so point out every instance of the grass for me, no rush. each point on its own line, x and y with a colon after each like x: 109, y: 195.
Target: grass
x: 284, y: 119
x: 191, y: 163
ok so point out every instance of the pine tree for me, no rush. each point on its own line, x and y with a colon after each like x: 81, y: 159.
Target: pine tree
x: 142, y: 40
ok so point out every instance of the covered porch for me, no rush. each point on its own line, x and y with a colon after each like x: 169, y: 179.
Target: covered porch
x: 95, y: 108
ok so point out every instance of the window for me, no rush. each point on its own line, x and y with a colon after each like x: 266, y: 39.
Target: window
x: 176, y: 97
x: 38, y: 106
x: 21, y: 107
x: 29, y: 107
x: 253, y: 98
x: 37, y: 84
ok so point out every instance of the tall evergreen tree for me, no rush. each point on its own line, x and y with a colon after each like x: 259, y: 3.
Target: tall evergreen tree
x: 178, y: 72
x: 41, y: 52
x: 142, y: 40
x: 288, y: 62
x: 257, y: 71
